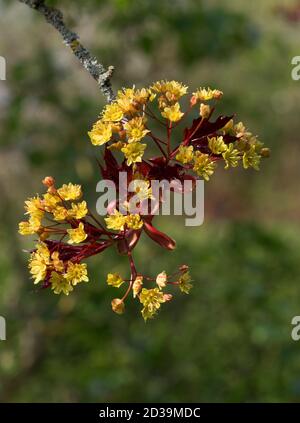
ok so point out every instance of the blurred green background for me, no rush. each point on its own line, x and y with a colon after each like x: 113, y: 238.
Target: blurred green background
x: 229, y: 340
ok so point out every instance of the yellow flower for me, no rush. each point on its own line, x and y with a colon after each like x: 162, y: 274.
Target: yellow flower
x: 60, y: 213
x: 172, y: 90
x: 70, y: 192
x: 25, y: 228
x: 203, y: 166
x: 185, y: 283
x: 118, y: 306
x: 204, y: 94
x: 172, y: 113
x: 231, y: 156
x: 125, y: 100
x: 115, y: 221
x: 251, y: 158
x: 78, y: 211
x: 134, y: 152
x: 31, y: 227
x: 134, y: 221
x: 34, y: 206
x: 76, y: 273
x: 101, y: 133
x: 38, y: 262
x: 135, y: 129
x: 50, y: 201
x: 56, y: 262
x: 141, y: 187
x: 217, y: 145
x: 241, y: 131
x: 151, y: 300
x: 130, y: 99
x: 204, y: 110
x: 77, y: 235
x: 115, y: 280
x: 59, y: 284
x: 161, y: 280
x: 185, y: 154
x: 112, y: 113
x: 137, y: 285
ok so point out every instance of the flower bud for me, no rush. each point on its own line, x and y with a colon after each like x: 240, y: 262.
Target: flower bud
x: 265, y: 152
x: 168, y: 297
x: 193, y: 100
x: 184, y: 268
x: 205, y: 110
x: 118, y: 306
x: 137, y: 285
x: 48, y: 181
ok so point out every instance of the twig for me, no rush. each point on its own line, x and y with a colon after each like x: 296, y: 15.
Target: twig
x: 55, y: 17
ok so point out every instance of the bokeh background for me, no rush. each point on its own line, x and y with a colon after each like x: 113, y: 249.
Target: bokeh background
x: 229, y: 340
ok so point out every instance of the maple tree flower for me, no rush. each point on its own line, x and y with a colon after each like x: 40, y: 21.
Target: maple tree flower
x: 78, y: 211
x: 251, y: 158
x: 172, y: 90
x: 50, y: 201
x: 231, y: 156
x: 203, y: 165
x: 185, y: 283
x: 134, y: 221
x: 34, y: 206
x: 59, y: 284
x: 70, y: 192
x: 38, y: 262
x: 172, y: 113
x: 115, y: 221
x: 151, y: 300
x: 205, y: 94
x: 217, y: 145
x: 161, y: 280
x: 185, y: 154
x: 77, y: 235
x: 112, y: 113
x: 60, y: 213
x: 76, y: 273
x: 101, y: 133
x: 135, y: 129
x: 134, y: 152
x: 115, y: 280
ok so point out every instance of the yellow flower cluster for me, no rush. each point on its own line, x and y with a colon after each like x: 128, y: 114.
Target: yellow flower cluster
x: 124, y: 123
x: 247, y: 147
x: 60, y: 204
x: 205, y: 94
x: 117, y: 221
x: 62, y: 276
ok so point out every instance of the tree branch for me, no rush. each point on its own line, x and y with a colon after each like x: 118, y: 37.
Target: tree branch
x: 96, y: 70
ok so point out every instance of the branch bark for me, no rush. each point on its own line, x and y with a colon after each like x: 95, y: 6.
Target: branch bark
x: 55, y: 17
